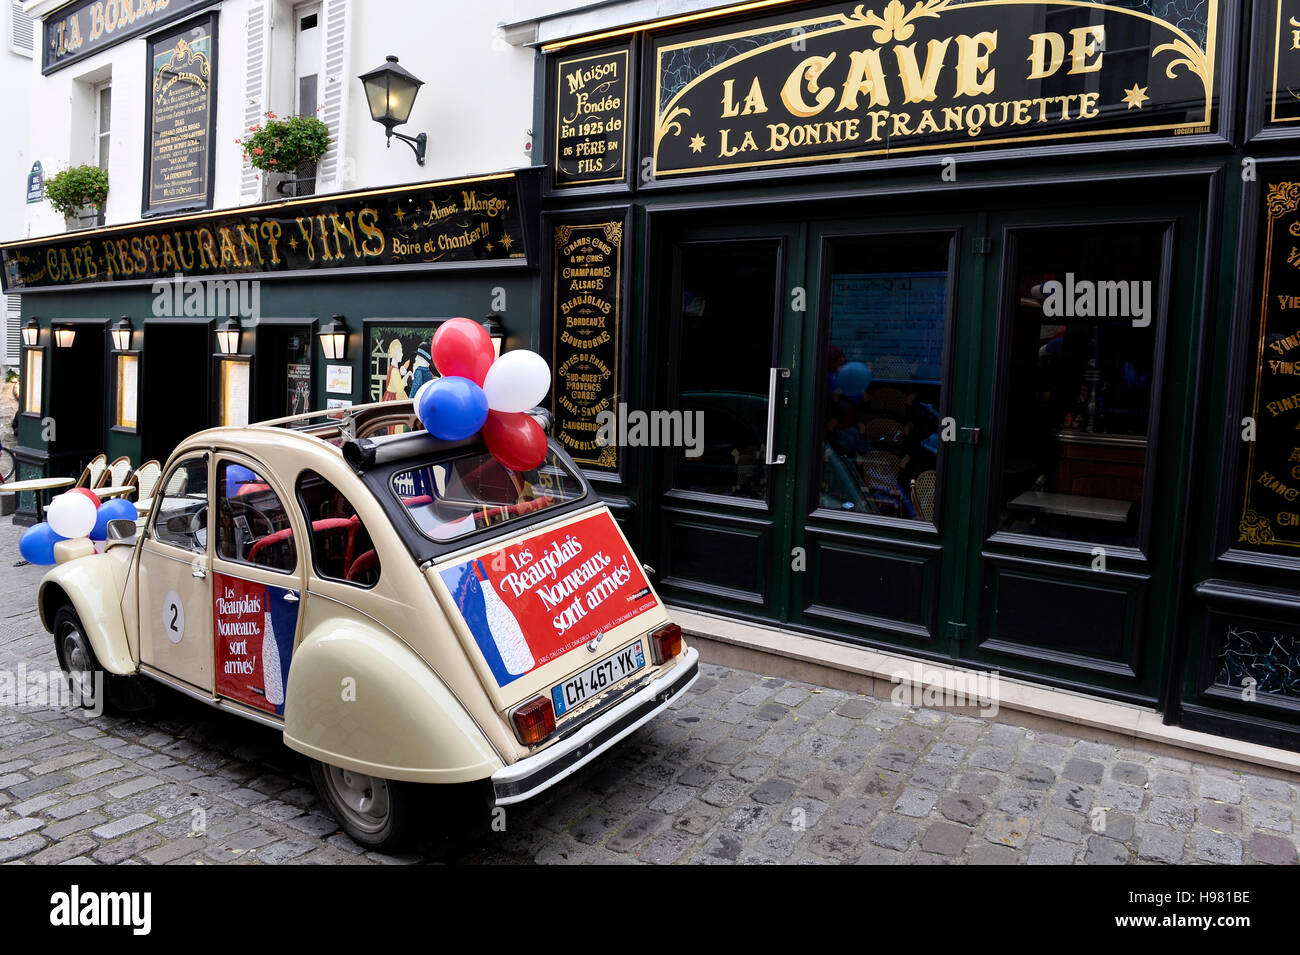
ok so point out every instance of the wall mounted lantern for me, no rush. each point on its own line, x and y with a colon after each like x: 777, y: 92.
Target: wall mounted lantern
x: 64, y: 335
x: 121, y: 332
x: 390, y: 92
x: 32, y: 333
x: 333, y: 339
x: 228, y: 337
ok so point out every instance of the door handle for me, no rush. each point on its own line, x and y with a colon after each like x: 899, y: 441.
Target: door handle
x: 199, y: 572
x: 291, y: 597
x: 772, y: 382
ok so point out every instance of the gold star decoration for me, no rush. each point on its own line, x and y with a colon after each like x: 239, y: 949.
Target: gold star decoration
x: 1135, y: 96
x: 399, y: 214
x: 697, y: 143
x: 293, y: 244
x: 488, y: 247
x: 507, y: 242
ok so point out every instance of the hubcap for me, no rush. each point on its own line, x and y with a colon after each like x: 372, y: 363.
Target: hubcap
x: 362, y: 799
x: 76, y: 656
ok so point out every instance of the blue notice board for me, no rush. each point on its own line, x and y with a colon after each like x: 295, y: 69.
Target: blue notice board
x: 892, y: 322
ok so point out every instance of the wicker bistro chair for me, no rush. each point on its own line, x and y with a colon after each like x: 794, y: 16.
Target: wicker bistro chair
x: 115, y: 474
x: 923, y: 494
x: 879, y: 470
x: 93, y: 470
x: 144, y: 479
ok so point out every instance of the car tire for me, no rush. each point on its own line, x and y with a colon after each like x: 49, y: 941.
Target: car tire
x: 86, y: 679
x: 377, y: 813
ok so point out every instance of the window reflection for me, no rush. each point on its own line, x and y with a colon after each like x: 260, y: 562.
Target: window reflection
x: 884, y: 373
x: 1079, y: 391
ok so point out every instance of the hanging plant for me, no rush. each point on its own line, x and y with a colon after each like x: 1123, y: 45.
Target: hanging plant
x: 72, y: 189
x: 282, y: 145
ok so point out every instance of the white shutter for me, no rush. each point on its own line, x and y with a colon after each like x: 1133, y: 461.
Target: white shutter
x: 331, y: 171
x: 21, y: 30
x: 257, y: 92
x: 13, y: 331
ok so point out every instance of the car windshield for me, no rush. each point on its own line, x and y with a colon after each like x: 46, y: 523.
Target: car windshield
x: 449, y: 499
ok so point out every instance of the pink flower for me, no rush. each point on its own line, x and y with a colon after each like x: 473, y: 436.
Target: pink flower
x: 258, y: 150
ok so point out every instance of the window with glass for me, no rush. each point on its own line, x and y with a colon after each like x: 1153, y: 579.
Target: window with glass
x: 729, y: 294
x: 180, y: 516
x: 341, y: 548
x: 1079, y: 380
x: 883, y: 373
x: 253, y: 526
x: 453, y: 498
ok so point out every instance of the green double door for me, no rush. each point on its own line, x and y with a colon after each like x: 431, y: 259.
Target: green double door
x: 960, y: 435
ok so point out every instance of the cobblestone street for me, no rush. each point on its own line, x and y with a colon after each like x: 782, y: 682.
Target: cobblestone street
x: 745, y: 769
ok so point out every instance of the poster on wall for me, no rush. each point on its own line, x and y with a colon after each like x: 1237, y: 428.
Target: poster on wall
x: 1269, y: 518
x: 254, y: 628
x: 298, y: 387
x: 338, y: 379
x: 588, y: 295
x: 535, y: 600
x: 180, y: 117
x: 400, y: 360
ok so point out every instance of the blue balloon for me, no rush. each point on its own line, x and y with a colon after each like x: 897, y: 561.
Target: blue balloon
x: 114, y: 509
x: 237, y: 474
x: 853, y: 378
x: 453, y: 408
x: 37, y: 544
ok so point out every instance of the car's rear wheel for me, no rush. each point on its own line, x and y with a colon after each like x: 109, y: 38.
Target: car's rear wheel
x: 375, y: 812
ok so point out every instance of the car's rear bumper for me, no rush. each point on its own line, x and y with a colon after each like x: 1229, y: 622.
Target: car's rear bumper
x: 530, y: 776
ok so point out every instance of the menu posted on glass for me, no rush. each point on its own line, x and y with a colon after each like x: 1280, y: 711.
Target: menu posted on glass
x: 180, y: 118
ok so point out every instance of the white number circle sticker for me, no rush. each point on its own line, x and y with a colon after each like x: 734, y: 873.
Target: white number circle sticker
x: 173, y: 616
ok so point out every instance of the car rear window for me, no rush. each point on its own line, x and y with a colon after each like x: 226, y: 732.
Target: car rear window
x: 454, y: 498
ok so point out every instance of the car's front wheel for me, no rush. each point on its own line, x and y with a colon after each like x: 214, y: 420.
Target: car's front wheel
x: 81, y: 669
x: 375, y: 812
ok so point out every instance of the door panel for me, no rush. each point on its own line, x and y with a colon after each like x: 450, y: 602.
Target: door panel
x: 175, y: 585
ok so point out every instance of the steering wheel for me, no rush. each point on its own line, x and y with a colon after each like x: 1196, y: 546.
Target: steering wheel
x: 233, y: 507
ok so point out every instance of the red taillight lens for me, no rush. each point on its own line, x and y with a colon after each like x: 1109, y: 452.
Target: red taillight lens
x: 535, y: 720
x: 667, y: 642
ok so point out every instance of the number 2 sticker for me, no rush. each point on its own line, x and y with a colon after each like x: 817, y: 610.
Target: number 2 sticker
x: 173, y: 616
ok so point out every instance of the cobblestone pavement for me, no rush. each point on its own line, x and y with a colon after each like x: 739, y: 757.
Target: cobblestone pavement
x: 745, y: 769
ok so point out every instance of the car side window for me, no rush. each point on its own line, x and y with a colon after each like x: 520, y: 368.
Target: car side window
x: 181, y: 515
x: 253, y: 526
x: 341, y: 548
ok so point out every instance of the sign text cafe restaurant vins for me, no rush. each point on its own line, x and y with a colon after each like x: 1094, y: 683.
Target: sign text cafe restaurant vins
x: 974, y: 300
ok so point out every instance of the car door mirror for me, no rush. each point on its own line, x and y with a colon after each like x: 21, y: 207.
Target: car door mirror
x: 120, y: 532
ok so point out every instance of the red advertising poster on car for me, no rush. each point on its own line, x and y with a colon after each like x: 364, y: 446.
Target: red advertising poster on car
x: 254, y: 628
x: 541, y: 597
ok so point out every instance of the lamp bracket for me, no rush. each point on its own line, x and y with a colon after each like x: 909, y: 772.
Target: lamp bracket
x: 418, y: 144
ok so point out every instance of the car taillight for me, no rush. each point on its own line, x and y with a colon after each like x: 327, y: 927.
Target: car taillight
x: 667, y: 642
x: 535, y: 720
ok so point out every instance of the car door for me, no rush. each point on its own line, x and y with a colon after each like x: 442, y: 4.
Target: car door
x: 175, y: 586
x: 257, y: 583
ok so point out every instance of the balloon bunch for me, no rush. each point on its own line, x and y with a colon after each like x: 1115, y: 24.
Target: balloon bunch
x: 78, y: 514
x: 481, y: 392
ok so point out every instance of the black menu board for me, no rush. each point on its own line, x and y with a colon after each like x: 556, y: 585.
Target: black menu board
x: 1283, y: 86
x: 1270, y: 511
x: 180, y: 117
x: 587, y: 290
x: 591, y: 118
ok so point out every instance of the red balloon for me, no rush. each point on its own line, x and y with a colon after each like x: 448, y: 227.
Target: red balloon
x: 515, y: 439
x: 94, y: 498
x: 463, y: 348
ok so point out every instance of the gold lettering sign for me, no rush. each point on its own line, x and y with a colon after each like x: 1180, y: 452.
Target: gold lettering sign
x: 888, y: 78
x: 591, y: 119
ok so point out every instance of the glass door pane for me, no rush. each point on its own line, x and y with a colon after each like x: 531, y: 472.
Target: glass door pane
x: 730, y: 298
x: 881, y: 394
x: 1077, y: 414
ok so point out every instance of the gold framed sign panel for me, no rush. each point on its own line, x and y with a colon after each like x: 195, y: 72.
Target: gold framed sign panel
x: 592, y: 118
x: 887, y: 78
x: 126, y: 391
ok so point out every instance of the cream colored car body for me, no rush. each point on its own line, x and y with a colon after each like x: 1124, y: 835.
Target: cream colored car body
x: 383, y: 680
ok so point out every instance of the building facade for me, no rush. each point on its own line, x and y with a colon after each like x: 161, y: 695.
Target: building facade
x: 957, y: 329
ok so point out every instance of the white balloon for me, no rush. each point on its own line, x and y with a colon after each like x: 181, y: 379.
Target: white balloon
x: 71, y: 515
x: 419, y: 391
x: 517, y: 381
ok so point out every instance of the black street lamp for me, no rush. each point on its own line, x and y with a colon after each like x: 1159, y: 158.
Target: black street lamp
x: 390, y: 92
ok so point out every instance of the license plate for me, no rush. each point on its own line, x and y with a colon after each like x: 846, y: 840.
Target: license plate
x: 581, y: 687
